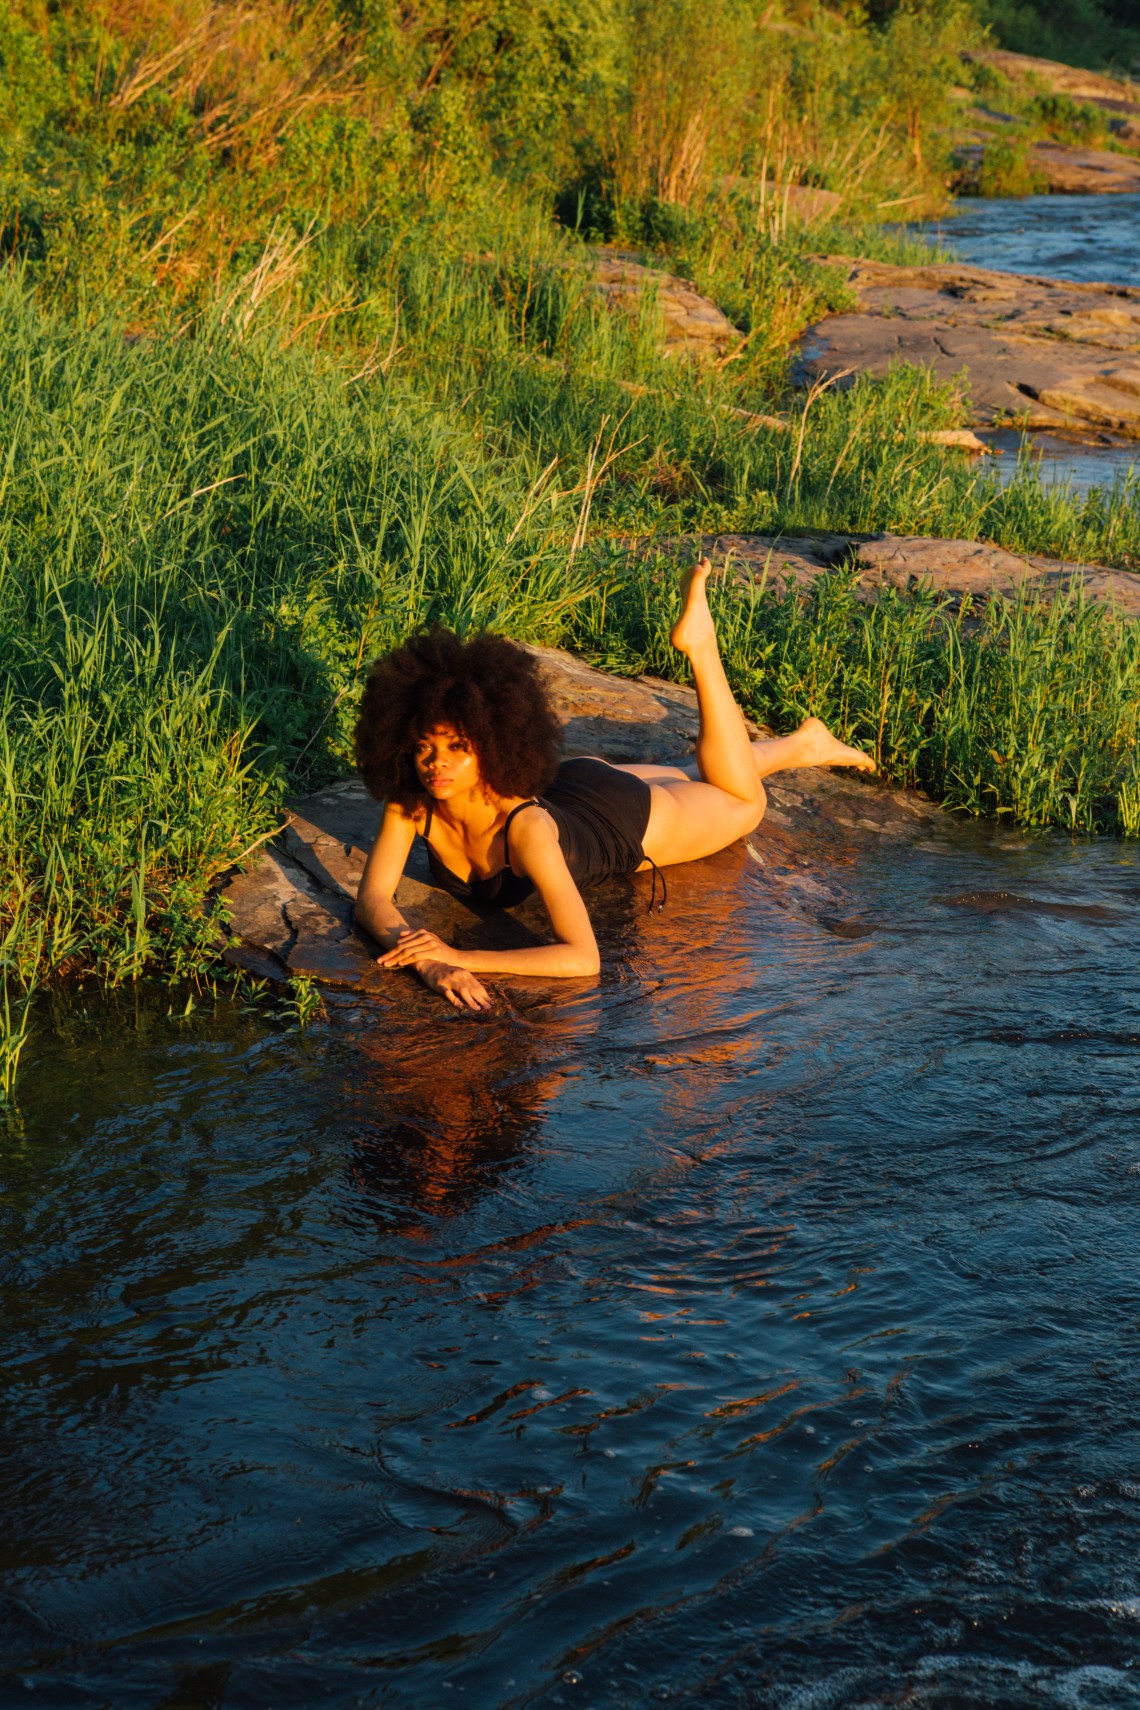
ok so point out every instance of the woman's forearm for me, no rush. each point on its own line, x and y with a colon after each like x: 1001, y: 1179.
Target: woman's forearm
x: 558, y: 961
x: 381, y: 919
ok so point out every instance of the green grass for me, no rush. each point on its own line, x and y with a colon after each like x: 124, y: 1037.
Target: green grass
x: 1023, y: 708
x: 204, y: 541
x: 296, y: 358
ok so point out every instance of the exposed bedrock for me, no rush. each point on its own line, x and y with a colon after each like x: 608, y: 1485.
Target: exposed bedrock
x: 290, y: 911
x: 1040, y: 352
x: 1116, y: 98
x: 1052, y: 74
x: 955, y: 568
x: 1065, y: 169
x: 691, y: 325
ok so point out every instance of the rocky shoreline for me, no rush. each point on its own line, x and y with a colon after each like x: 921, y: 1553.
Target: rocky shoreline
x: 1036, y: 353
x: 289, y: 914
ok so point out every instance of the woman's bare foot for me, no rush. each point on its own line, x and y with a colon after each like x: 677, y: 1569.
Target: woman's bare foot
x: 820, y: 748
x: 694, y: 628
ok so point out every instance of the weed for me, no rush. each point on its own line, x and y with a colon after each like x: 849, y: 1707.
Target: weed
x: 15, y: 1031
x: 304, y: 1003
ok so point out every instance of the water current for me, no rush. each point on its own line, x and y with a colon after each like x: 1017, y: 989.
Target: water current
x: 1059, y: 237
x: 758, y: 1327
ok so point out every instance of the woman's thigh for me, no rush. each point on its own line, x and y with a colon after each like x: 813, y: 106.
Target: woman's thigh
x: 689, y: 819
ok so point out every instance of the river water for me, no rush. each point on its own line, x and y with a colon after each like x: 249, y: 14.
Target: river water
x: 1060, y: 237
x: 758, y: 1327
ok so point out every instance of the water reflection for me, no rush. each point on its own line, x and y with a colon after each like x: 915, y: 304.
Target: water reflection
x: 755, y: 1326
x: 444, y: 1119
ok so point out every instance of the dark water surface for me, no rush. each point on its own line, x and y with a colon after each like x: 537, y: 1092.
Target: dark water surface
x: 1061, y: 237
x: 758, y: 1328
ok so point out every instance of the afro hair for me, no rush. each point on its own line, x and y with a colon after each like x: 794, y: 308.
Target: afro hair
x: 488, y: 688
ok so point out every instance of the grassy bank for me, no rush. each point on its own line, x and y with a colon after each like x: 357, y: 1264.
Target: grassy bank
x: 293, y: 366
x: 205, y: 541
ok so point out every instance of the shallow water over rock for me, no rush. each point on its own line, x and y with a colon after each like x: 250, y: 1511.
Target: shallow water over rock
x: 1083, y: 238
x: 755, y: 1327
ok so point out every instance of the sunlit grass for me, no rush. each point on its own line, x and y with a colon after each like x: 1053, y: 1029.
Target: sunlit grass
x: 1023, y: 708
x: 204, y: 541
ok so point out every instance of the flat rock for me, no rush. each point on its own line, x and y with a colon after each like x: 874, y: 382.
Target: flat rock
x: 691, y: 325
x: 1052, y: 75
x: 290, y: 912
x: 777, y: 204
x: 956, y: 568
x: 1064, y: 168
x: 1042, y: 352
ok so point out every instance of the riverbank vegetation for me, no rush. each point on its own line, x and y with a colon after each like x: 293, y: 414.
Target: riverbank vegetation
x: 1005, y: 112
x: 303, y: 348
x: 1102, y: 35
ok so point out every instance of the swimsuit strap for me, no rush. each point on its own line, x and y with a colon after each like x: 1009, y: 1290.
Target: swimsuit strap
x: 533, y: 802
x: 657, y: 874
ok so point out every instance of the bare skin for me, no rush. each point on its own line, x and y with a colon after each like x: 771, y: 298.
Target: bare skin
x: 697, y: 810
x: 693, y: 812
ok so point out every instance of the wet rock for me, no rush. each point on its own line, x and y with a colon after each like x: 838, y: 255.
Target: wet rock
x: 958, y: 439
x: 1042, y: 352
x: 692, y: 325
x: 290, y: 912
x: 905, y: 562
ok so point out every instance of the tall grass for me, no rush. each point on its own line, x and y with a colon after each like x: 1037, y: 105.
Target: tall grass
x: 1023, y: 708
x: 202, y: 545
x: 204, y: 540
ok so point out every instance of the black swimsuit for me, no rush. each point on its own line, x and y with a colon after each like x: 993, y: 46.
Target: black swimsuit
x: 601, y: 813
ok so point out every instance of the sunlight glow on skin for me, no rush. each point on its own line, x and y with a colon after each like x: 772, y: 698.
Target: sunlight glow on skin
x: 446, y: 763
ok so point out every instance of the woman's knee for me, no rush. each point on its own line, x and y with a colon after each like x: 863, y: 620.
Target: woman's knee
x: 752, y: 811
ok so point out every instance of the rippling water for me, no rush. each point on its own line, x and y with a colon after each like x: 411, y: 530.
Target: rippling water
x: 757, y: 1328
x: 1061, y: 237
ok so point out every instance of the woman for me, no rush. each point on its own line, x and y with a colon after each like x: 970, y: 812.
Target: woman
x: 459, y: 741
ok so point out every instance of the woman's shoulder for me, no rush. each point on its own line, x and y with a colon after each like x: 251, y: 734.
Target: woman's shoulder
x: 529, y: 823
x: 413, y: 819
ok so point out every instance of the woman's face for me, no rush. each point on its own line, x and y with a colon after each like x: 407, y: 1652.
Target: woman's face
x: 446, y: 763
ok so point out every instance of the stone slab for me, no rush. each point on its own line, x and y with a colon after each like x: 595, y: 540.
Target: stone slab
x: 290, y: 912
x: 691, y: 324
x: 1042, y: 352
x: 956, y: 568
x: 1063, y: 168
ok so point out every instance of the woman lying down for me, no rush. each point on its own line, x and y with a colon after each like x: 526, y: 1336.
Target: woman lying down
x: 460, y: 741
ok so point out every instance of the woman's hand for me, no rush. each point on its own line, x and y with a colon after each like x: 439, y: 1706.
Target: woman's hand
x: 413, y: 947
x: 438, y: 966
x: 460, y: 988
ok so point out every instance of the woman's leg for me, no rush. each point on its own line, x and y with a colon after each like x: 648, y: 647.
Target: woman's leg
x: 688, y: 817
